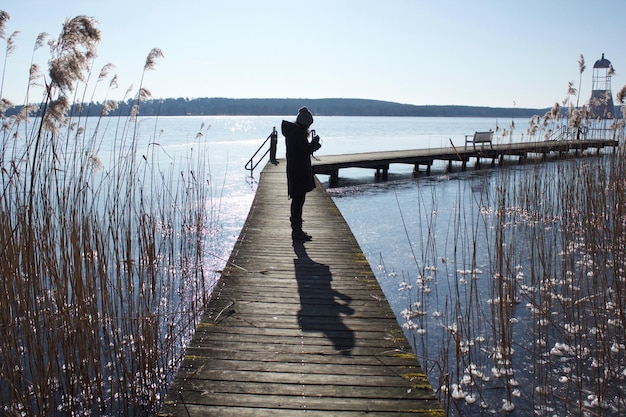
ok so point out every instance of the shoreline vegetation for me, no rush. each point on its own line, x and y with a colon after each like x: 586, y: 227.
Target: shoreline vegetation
x: 105, y: 267
x: 515, y: 304
x: 220, y: 106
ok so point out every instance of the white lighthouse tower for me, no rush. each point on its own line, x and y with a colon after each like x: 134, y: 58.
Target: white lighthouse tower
x: 601, y: 102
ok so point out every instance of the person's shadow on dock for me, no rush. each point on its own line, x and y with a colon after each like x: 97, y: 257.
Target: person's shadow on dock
x: 321, y: 307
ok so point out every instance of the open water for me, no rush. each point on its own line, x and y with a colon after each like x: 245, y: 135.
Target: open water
x: 406, y: 226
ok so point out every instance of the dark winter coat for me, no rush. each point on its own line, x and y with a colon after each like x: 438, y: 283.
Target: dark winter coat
x: 299, y: 150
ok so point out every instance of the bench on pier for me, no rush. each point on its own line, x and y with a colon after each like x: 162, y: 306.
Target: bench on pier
x: 479, y: 137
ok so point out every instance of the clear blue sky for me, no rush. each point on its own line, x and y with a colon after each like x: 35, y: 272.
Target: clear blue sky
x: 482, y: 53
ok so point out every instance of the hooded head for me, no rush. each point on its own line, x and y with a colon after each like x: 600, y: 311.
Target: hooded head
x: 304, y: 118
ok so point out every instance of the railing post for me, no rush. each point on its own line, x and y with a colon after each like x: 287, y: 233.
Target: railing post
x: 273, y: 146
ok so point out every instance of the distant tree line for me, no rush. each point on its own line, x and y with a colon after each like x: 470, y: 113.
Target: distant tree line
x: 286, y: 106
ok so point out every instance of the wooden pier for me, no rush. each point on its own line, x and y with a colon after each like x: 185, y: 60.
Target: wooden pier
x: 298, y: 329
x: 380, y: 161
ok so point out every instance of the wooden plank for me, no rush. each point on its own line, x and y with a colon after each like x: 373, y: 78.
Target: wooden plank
x: 296, y: 328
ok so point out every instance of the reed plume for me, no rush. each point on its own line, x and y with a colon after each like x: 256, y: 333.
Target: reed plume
x: 73, y: 52
x: 4, y: 18
x: 581, y: 69
x: 621, y: 95
x: 152, y: 57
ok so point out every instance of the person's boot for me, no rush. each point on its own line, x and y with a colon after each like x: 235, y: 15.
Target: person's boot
x: 296, y: 230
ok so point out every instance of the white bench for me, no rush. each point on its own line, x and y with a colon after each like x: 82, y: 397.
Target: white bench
x: 479, y: 137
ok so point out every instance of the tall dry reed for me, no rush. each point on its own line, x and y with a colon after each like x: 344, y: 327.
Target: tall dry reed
x: 102, y: 273
x: 521, y: 291
x: 518, y: 306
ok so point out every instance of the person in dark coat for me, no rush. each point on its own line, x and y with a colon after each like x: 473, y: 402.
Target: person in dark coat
x: 299, y: 171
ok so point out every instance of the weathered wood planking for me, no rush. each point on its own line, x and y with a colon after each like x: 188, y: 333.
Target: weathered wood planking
x: 294, y: 329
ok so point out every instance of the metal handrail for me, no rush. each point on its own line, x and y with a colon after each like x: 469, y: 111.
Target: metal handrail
x: 557, y: 134
x: 250, y: 165
x: 575, y: 133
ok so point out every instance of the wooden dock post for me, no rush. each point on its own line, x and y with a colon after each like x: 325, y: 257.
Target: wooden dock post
x: 382, y: 172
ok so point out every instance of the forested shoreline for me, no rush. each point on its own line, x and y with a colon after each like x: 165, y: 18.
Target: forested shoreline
x: 217, y: 106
